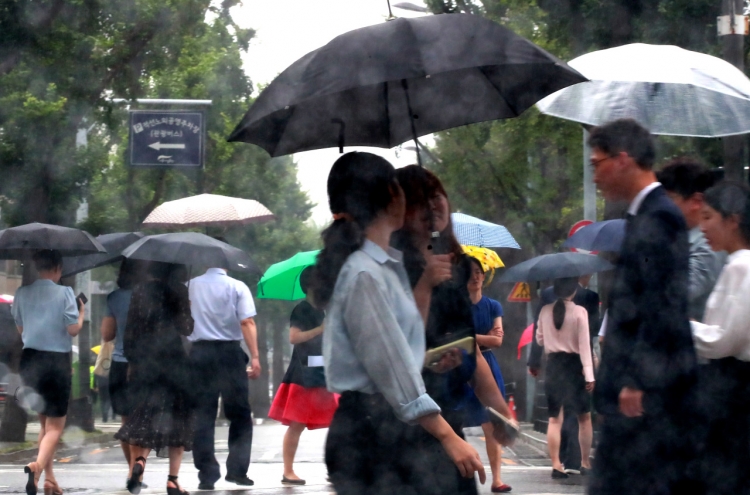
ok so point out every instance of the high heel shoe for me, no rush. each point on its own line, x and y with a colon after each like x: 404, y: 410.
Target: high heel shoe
x: 177, y: 490
x: 134, y: 483
x: 32, y: 469
x: 52, y: 488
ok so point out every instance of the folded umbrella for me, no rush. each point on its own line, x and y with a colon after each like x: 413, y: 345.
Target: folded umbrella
x: 558, y: 265
x: 20, y: 242
x: 477, y: 232
x: 385, y: 84
x: 599, y: 236
x: 281, y: 280
x: 191, y: 248
x: 113, y: 243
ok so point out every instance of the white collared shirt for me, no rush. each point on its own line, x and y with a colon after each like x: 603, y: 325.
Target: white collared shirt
x: 218, y: 304
x: 726, y: 331
x: 635, y: 205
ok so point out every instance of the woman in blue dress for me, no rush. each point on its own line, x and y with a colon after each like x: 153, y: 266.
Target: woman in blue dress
x: 488, y: 324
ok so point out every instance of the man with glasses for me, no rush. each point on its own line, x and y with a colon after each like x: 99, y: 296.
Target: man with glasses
x: 648, y: 366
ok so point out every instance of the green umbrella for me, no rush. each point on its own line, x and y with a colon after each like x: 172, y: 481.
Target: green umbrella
x: 281, y: 280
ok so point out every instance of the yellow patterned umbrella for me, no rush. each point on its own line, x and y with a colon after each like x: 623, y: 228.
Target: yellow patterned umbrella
x: 488, y: 258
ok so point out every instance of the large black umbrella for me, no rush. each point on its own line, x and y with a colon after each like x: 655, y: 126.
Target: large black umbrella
x: 113, y: 243
x: 558, y: 265
x: 191, y: 248
x: 19, y: 242
x: 384, y: 84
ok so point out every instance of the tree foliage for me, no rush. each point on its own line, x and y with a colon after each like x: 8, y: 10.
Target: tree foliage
x: 526, y: 173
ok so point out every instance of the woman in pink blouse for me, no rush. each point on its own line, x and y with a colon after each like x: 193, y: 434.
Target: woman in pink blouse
x: 563, y: 330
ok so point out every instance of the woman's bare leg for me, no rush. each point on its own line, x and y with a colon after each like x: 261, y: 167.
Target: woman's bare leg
x: 554, y: 432
x: 585, y: 438
x: 135, y: 453
x: 291, y: 441
x: 49, y: 437
x: 494, y: 452
x: 175, y: 461
x: 126, y: 447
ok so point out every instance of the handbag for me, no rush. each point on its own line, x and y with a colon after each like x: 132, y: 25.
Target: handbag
x: 312, y: 376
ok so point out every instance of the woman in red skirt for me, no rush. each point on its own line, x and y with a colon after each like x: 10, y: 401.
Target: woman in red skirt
x: 302, y: 400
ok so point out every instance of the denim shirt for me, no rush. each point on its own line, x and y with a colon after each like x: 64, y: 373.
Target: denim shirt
x: 44, y: 310
x: 374, y: 337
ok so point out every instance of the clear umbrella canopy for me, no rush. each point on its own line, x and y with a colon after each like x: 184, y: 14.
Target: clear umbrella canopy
x: 670, y: 90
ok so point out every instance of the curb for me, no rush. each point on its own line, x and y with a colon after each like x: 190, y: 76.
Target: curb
x: 62, y: 450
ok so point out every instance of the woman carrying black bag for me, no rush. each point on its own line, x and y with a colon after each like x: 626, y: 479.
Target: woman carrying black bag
x: 302, y: 400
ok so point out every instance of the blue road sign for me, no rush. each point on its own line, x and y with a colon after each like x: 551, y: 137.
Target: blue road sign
x: 166, y: 138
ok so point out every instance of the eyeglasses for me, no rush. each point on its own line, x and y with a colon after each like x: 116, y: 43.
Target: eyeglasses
x: 594, y: 163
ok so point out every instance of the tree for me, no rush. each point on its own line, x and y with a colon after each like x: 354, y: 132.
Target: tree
x: 69, y: 59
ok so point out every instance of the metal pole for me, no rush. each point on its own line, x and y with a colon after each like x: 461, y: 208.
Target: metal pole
x: 731, y: 30
x: 589, y: 188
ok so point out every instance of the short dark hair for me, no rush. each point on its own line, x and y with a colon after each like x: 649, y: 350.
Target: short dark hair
x: 685, y: 176
x: 305, y: 278
x: 731, y: 198
x: 625, y: 135
x: 47, y: 259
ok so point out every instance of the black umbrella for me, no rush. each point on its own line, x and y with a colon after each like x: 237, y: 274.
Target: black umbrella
x: 113, y: 243
x: 191, y: 248
x: 558, y: 265
x: 384, y: 84
x: 19, y: 242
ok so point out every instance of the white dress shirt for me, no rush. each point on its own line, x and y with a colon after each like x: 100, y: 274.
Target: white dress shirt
x: 218, y: 304
x: 635, y: 205
x: 726, y: 328
x: 374, y: 339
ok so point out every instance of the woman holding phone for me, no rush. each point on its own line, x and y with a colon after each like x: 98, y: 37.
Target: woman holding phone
x: 439, y: 273
x: 388, y: 435
x: 48, y: 316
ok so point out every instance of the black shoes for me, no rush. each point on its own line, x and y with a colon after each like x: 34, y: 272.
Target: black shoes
x: 177, y: 489
x: 558, y: 475
x: 134, y: 483
x: 240, y: 480
x: 585, y: 471
x: 205, y: 485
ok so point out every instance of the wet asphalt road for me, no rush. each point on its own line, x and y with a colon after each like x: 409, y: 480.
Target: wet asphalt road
x: 99, y: 469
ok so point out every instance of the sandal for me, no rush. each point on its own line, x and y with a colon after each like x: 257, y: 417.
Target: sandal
x: 51, y: 487
x: 134, y: 483
x: 177, y: 490
x: 501, y: 489
x: 33, y: 479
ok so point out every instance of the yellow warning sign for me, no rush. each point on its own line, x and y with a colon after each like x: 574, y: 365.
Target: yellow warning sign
x: 520, y: 293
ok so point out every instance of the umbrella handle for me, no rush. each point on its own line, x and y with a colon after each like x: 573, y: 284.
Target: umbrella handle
x: 405, y: 85
x: 341, y: 133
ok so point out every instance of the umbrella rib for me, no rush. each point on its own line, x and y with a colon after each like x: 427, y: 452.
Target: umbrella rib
x: 387, y: 113
x: 499, y: 92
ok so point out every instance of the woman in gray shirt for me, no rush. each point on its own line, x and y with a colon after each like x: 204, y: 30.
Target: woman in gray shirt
x: 48, y: 317
x: 387, y: 435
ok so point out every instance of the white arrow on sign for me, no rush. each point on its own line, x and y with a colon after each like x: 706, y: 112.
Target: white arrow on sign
x: 167, y: 146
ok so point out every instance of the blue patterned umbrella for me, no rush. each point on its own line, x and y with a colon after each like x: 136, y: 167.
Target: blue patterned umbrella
x: 473, y: 231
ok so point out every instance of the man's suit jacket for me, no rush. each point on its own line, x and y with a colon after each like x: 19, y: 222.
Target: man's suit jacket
x: 584, y: 297
x: 649, y: 345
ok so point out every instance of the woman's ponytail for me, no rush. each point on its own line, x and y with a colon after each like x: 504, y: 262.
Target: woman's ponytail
x: 558, y: 313
x: 360, y: 187
x: 563, y: 289
x: 341, y: 238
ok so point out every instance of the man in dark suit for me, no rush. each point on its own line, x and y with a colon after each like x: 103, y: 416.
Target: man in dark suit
x: 648, y: 364
x: 570, y: 450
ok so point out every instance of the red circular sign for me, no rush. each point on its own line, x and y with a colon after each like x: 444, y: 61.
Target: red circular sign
x: 575, y: 228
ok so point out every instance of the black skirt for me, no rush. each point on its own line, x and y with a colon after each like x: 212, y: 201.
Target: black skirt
x: 49, y: 375
x: 371, y: 452
x: 565, y: 385
x: 119, y: 391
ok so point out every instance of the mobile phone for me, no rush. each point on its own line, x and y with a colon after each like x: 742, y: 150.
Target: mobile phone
x: 82, y: 297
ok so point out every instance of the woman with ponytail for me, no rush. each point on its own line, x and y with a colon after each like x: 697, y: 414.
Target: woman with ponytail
x: 387, y: 436
x: 563, y: 330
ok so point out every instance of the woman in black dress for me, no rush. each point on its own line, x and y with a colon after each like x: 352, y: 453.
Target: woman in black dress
x: 302, y: 400
x: 159, y: 373
x: 439, y: 272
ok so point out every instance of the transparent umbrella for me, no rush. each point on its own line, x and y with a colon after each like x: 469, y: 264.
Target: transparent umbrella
x: 670, y: 90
